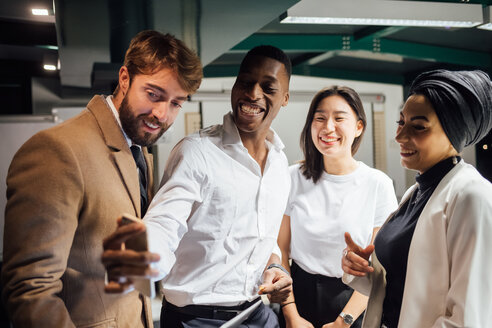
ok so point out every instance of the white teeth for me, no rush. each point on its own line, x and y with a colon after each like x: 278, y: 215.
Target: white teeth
x: 407, y: 151
x: 150, y: 125
x: 250, y: 109
x: 325, y: 139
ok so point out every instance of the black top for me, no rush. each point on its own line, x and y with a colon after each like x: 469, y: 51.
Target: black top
x: 392, y: 242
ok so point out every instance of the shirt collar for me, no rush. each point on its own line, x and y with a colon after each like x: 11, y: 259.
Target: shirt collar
x: 231, y: 135
x: 109, y: 100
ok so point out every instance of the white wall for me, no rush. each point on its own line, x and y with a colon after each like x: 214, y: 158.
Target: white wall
x: 290, y: 119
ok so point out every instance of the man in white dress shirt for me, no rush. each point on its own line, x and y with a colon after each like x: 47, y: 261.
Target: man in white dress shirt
x: 213, y: 225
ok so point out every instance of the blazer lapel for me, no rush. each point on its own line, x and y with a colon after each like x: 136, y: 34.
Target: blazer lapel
x: 119, y: 150
x: 129, y: 176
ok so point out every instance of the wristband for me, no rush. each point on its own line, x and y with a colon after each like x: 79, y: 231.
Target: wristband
x: 278, y: 266
x: 282, y: 305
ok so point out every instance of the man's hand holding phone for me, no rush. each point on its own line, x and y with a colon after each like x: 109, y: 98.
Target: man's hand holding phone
x: 127, y: 259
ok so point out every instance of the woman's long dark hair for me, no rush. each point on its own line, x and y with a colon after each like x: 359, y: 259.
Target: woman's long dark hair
x: 312, y: 166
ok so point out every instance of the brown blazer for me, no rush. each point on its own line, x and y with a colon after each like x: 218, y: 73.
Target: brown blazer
x: 65, y: 188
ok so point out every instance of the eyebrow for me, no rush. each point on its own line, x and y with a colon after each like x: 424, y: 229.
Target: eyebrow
x: 414, y: 118
x: 419, y: 118
x: 338, y: 112
x: 155, y: 86
x: 270, y: 78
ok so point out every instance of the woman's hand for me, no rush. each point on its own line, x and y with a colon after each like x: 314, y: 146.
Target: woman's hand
x: 298, y: 322
x: 355, y: 260
x: 334, y: 324
x: 338, y: 323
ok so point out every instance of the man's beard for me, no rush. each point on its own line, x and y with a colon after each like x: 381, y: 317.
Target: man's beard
x: 131, y: 123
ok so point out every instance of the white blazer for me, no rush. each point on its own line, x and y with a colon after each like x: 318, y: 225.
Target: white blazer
x: 448, y: 281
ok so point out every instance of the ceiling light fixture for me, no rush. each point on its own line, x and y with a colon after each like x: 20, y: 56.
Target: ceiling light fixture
x: 49, y: 67
x: 487, y: 15
x: 40, y: 12
x: 377, y: 21
x: 385, y: 13
x: 487, y: 26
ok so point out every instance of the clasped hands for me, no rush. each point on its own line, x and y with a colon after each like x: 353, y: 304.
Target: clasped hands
x: 277, y: 285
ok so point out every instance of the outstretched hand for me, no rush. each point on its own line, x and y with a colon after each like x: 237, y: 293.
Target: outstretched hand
x: 123, y: 265
x: 355, y: 260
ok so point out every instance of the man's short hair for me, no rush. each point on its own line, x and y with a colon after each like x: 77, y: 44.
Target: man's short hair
x: 151, y: 51
x: 270, y: 52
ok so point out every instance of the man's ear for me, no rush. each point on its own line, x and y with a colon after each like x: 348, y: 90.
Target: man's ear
x: 286, y: 99
x: 123, y: 79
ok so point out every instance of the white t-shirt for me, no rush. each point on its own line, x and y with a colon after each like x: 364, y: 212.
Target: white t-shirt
x: 320, y: 214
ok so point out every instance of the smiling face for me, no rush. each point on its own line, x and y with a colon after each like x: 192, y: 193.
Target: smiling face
x: 150, y: 104
x: 261, y: 88
x: 422, y: 140
x: 334, y: 128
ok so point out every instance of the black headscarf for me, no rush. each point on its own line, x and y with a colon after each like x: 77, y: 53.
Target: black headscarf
x: 462, y: 101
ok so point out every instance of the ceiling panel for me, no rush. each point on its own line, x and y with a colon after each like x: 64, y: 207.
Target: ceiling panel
x: 391, y: 54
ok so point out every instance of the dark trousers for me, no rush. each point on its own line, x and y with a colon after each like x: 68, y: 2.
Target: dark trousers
x: 319, y: 299
x: 262, y: 317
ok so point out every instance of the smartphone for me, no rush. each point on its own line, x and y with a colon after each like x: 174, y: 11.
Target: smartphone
x: 139, y: 243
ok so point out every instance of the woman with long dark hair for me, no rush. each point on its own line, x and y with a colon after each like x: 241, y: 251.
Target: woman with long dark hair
x: 330, y: 192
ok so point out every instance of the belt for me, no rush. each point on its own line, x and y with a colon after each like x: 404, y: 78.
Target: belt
x: 211, y: 311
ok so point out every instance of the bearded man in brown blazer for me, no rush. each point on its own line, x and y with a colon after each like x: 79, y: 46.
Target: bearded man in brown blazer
x: 66, y: 185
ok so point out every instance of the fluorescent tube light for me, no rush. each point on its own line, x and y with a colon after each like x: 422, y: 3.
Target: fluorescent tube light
x: 376, y: 21
x: 40, y: 12
x: 49, y: 67
x: 385, y: 13
x: 487, y: 26
x: 487, y: 15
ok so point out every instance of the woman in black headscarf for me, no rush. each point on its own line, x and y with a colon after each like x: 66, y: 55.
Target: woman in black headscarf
x: 431, y: 263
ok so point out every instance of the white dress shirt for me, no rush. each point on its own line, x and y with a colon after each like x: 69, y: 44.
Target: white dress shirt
x: 216, y: 217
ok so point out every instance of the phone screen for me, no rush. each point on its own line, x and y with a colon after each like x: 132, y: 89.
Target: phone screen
x: 138, y: 243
